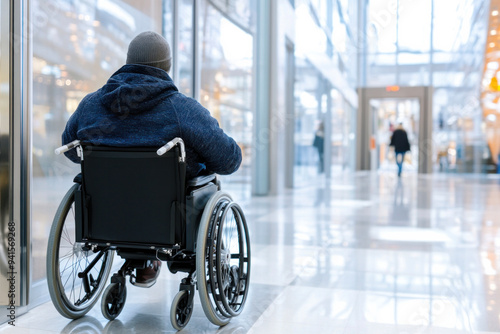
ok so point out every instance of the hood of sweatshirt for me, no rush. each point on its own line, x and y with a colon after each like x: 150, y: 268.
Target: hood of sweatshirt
x: 135, y: 89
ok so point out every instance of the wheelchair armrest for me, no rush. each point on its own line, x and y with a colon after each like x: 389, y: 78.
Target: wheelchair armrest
x: 200, y: 180
x: 78, y: 178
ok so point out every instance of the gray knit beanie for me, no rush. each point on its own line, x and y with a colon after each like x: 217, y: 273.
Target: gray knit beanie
x: 150, y: 48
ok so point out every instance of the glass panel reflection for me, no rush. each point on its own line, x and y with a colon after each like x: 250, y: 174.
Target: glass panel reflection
x: 226, y: 81
x: 168, y: 25
x: 327, y: 40
x: 309, y: 123
x: 382, y: 26
x: 444, y: 34
x: 414, y: 25
x: 185, y: 49
x: 341, y: 127
x: 240, y: 11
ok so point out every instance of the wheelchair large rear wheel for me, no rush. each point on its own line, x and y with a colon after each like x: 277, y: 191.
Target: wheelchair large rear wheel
x: 222, y: 259
x: 73, y: 295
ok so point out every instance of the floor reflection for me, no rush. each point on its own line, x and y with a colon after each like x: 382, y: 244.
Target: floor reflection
x: 400, y: 208
x: 358, y: 253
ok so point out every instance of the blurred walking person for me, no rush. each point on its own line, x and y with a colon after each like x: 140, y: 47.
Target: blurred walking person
x: 399, y: 140
x: 319, y: 143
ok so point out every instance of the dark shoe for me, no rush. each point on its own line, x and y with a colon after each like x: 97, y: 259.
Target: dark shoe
x: 146, y: 278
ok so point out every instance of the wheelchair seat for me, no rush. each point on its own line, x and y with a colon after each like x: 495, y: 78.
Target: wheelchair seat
x: 137, y: 202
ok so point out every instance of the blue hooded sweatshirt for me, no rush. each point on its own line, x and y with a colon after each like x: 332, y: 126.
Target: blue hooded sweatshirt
x: 140, y: 106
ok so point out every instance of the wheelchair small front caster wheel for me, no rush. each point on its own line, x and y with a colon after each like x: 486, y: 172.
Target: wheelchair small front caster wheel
x: 113, y: 301
x: 181, y: 310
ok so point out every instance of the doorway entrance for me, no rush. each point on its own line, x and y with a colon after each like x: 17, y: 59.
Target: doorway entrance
x: 380, y: 112
x: 387, y: 115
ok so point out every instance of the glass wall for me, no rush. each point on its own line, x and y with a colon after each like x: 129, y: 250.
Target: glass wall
x: 77, y: 45
x: 310, y: 118
x: 315, y: 105
x: 328, y: 28
x: 342, y: 126
x: 325, y: 49
x: 438, y: 43
x: 226, y: 73
x: 184, y: 62
x: 178, y: 30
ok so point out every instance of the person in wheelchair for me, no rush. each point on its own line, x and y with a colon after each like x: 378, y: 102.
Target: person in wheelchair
x: 140, y: 106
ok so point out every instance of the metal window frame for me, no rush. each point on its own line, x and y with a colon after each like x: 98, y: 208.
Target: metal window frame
x: 16, y: 46
x: 263, y: 49
x: 21, y: 99
x: 5, y: 131
x: 290, y: 113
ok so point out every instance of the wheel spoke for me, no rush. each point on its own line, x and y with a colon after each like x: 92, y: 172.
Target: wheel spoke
x: 66, y: 236
x: 65, y: 259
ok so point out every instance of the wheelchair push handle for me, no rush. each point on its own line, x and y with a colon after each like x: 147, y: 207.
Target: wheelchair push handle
x: 67, y: 147
x: 161, y: 151
x: 168, y: 146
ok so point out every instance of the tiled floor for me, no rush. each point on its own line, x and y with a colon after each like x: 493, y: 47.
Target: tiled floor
x: 360, y: 253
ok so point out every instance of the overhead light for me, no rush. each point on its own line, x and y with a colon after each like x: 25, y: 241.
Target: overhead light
x: 494, y: 12
x: 492, y: 44
x: 493, y: 32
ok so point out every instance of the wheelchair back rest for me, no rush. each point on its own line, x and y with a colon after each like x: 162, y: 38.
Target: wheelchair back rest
x: 132, y: 195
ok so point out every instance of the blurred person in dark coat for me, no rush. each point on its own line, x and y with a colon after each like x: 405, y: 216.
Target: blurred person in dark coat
x: 399, y: 140
x: 319, y: 143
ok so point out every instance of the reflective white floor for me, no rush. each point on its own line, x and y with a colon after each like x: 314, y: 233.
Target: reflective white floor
x: 360, y: 253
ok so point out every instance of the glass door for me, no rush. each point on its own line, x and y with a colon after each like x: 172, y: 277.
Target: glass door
x: 226, y: 81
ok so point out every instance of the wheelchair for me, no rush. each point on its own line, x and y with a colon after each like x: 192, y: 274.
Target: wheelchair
x: 137, y: 203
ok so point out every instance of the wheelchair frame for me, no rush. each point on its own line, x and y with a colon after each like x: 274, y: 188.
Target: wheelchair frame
x: 205, y: 233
